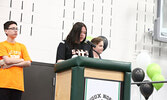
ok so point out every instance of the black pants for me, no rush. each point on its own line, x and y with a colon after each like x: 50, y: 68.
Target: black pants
x: 10, y: 94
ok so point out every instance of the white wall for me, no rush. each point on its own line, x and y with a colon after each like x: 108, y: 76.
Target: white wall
x: 44, y: 23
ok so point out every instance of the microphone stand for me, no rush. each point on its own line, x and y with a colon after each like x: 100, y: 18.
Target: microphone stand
x: 97, y: 53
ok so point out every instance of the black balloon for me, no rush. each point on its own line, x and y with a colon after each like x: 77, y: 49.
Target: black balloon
x: 146, y: 89
x: 105, y: 42
x: 138, y: 75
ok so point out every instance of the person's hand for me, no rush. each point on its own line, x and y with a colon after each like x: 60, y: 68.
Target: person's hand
x: 1, y: 62
x: 6, y: 66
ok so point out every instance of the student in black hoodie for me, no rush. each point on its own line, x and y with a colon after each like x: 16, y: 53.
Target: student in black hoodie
x: 74, y: 44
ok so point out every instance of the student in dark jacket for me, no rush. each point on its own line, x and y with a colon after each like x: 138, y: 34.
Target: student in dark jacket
x: 74, y: 44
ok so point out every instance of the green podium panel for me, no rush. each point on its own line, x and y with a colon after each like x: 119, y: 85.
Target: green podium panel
x: 83, y: 78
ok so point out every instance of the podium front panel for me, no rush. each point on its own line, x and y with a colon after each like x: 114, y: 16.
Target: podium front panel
x: 63, y: 85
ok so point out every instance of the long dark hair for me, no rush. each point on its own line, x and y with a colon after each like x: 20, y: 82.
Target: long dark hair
x: 74, y: 35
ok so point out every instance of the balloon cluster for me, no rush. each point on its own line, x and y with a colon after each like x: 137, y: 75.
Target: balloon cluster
x: 146, y: 89
x: 154, y: 73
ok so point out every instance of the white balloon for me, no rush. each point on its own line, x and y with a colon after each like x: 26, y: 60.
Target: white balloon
x: 143, y: 59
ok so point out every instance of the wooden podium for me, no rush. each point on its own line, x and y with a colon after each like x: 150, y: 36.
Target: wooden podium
x: 71, y: 76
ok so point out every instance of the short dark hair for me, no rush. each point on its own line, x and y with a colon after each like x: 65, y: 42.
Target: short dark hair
x: 75, y: 32
x: 96, y: 40
x: 8, y: 23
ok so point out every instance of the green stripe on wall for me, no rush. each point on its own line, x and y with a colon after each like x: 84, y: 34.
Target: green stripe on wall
x: 86, y: 82
x: 119, y: 85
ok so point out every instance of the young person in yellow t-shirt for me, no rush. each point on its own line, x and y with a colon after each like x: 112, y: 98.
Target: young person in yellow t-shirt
x: 13, y: 58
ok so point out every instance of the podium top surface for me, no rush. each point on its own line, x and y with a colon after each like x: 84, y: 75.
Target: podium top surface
x: 93, y: 63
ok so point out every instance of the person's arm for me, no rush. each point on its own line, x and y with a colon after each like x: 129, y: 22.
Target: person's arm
x: 9, y: 61
x: 20, y: 64
x: 5, y: 56
x: 60, y: 60
x: 25, y: 61
x: 60, y: 52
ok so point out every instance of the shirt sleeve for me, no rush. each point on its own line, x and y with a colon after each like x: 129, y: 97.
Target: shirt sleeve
x: 25, y: 54
x: 60, y: 52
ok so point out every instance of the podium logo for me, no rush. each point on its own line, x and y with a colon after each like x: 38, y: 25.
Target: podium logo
x: 100, y: 97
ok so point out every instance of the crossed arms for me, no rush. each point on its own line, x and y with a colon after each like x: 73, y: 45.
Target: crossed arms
x: 10, y: 62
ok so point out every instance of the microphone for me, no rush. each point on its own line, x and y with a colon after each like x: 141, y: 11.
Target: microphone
x: 90, y: 43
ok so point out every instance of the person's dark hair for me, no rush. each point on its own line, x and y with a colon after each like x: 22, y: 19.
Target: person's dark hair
x: 74, y: 35
x: 8, y: 23
x: 96, y: 40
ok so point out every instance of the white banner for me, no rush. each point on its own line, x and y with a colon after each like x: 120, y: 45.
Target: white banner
x: 96, y: 89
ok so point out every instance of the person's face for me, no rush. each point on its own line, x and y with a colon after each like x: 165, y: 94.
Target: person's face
x: 99, y: 47
x: 83, y: 34
x: 12, y: 31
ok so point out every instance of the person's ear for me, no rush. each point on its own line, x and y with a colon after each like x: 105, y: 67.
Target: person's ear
x: 6, y: 32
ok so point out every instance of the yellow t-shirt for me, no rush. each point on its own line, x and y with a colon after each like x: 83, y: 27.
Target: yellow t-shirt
x: 13, y: 77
